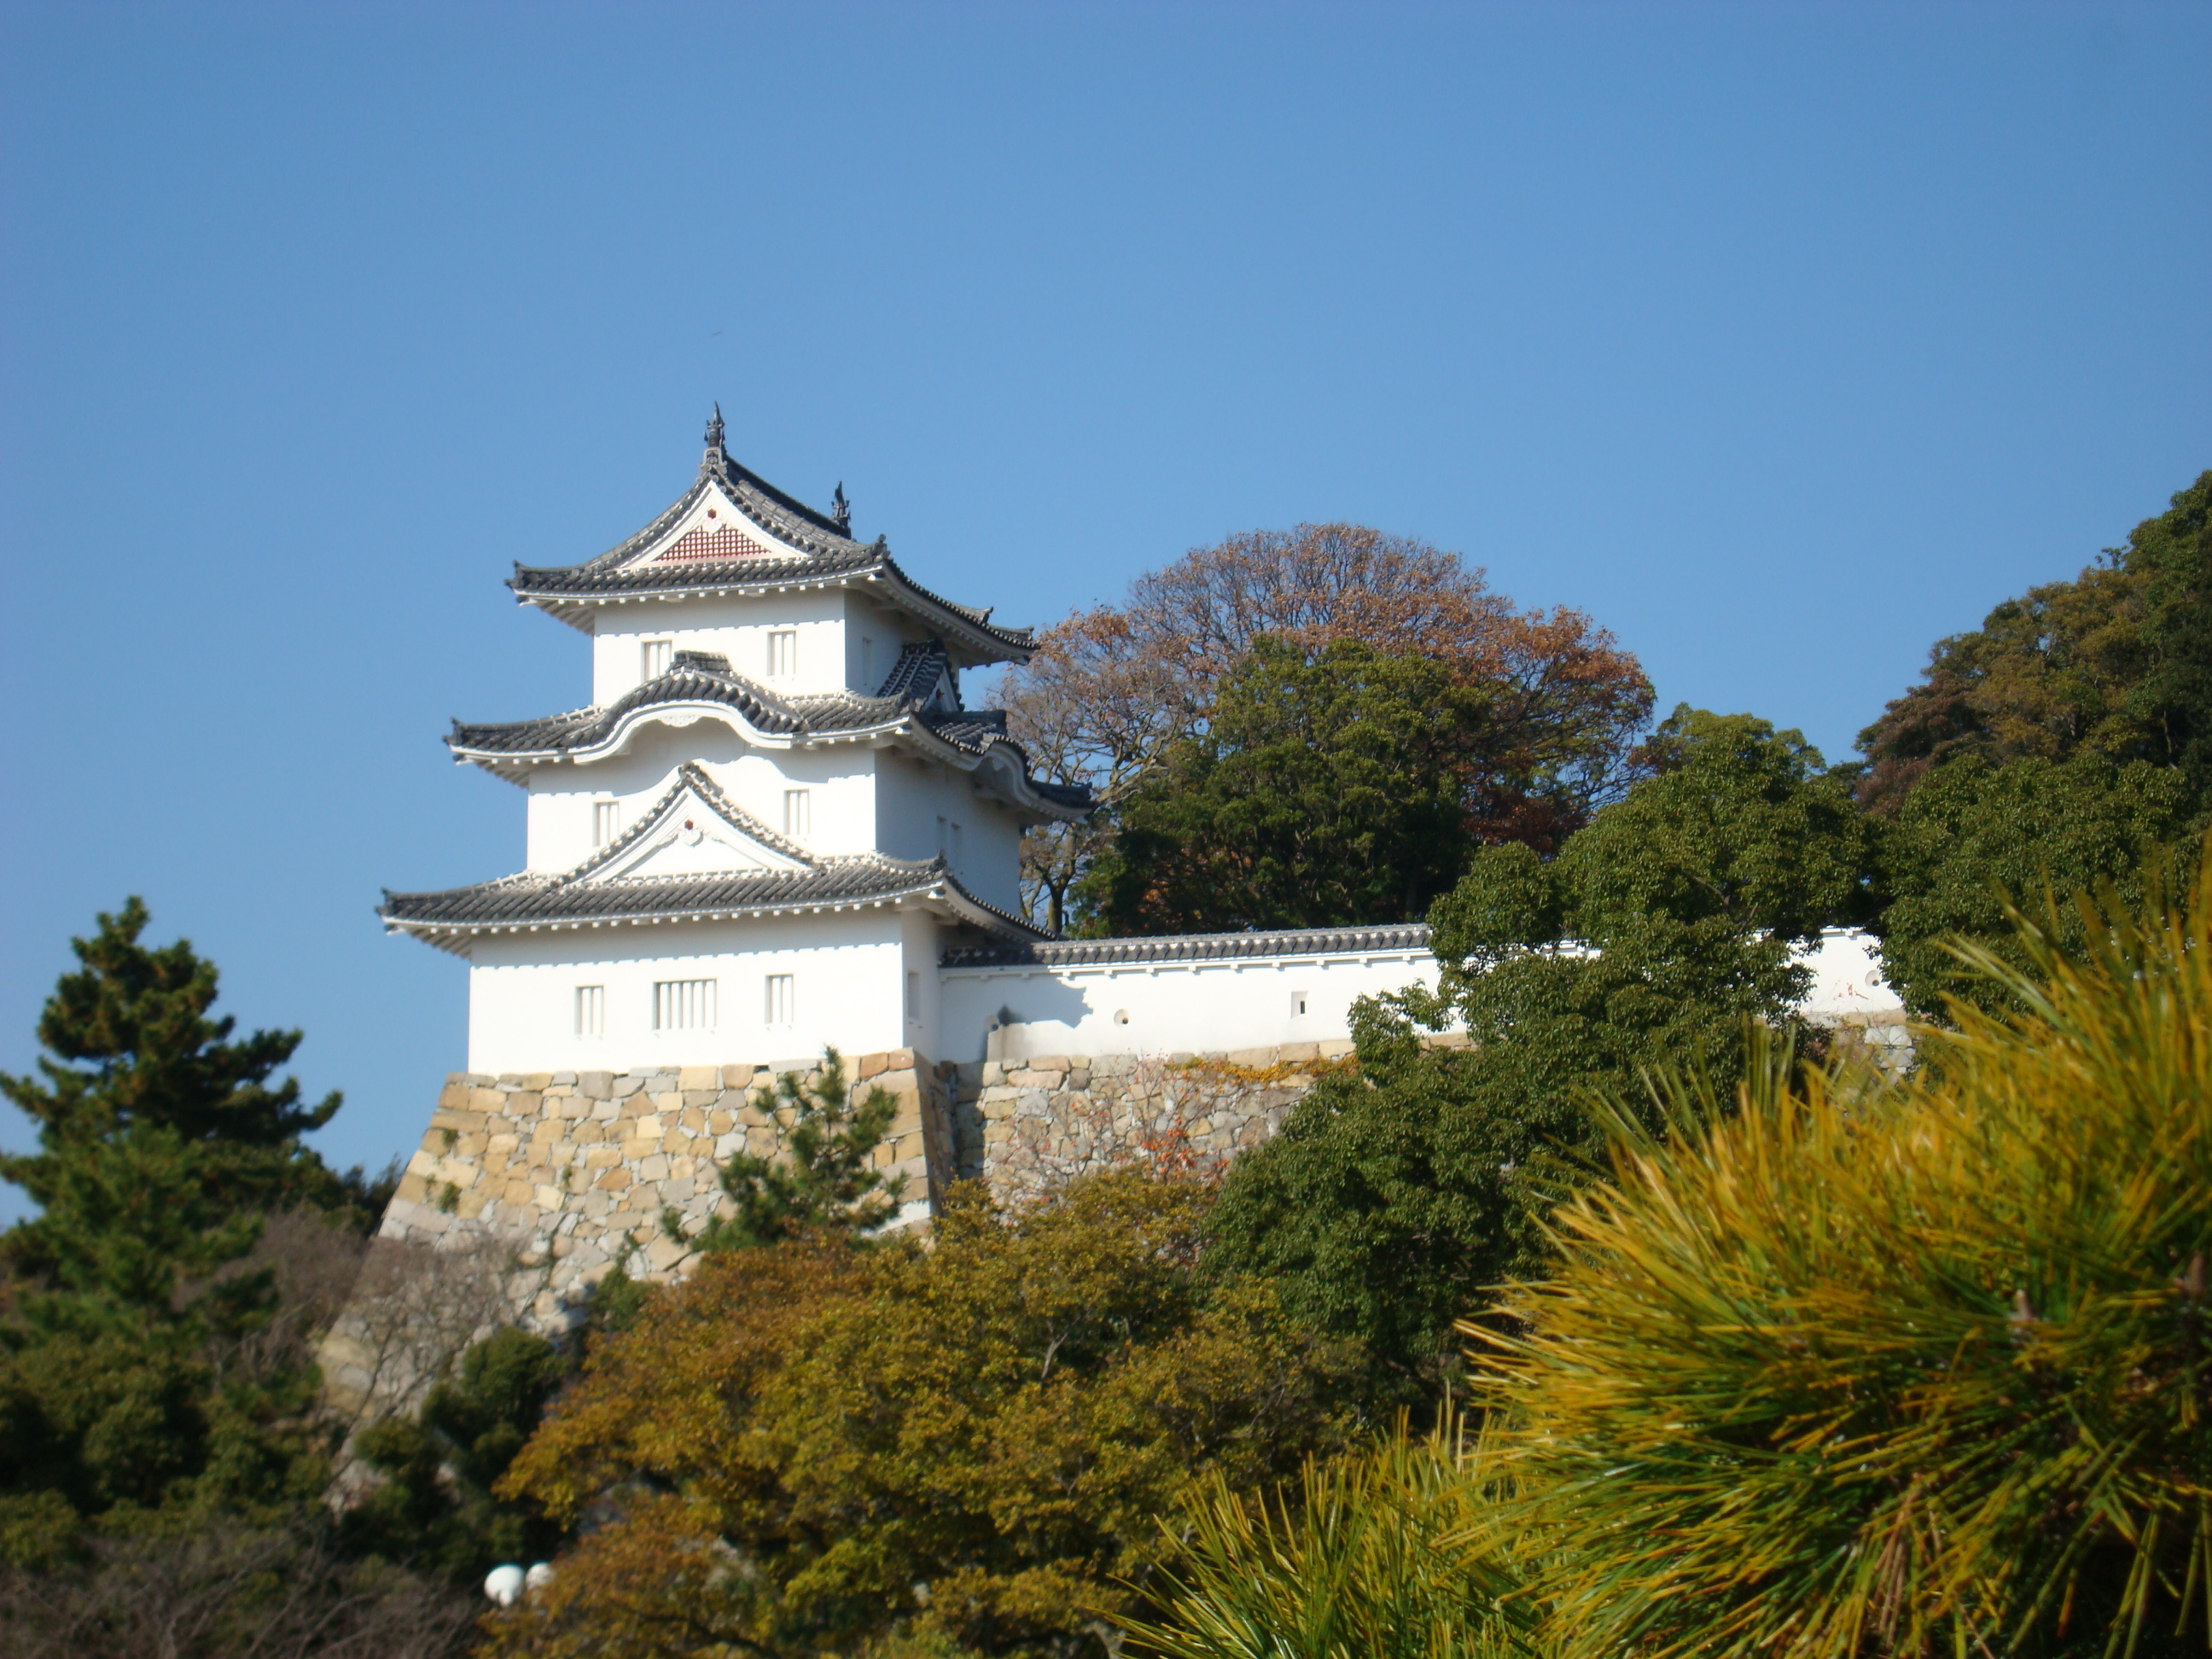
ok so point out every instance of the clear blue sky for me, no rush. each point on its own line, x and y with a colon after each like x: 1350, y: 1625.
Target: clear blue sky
x: 1782, y: 338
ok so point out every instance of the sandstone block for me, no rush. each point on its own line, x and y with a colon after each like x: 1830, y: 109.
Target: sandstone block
x: 699, y: 1077
x: 454, y: 1096
x: 606, y: 1111
x: 1336, y: 1048
x: 652, y: 1169
x: 614, y: 1181
x: 547, y: 1198
x: 412, y: 1187
x: 720, y: 1123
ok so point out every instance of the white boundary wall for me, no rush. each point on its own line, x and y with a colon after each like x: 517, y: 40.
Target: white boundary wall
x: 1203, y: 1006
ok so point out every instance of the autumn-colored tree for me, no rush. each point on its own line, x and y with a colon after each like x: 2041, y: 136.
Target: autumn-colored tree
x: 1113, y: 689
x: 808, y: 1448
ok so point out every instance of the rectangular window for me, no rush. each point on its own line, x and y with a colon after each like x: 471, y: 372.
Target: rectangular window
x: 798, y: 815
x: 956, y: 854
x: 781, y: 1000
x: 683, y: 1004
x: 659, y: 653
x: 913, y: 997
x: 606, y: 821
x: 591, y: 1011
x: 1297, y: 1004
x: 867, y: 664
x: 782, y: 653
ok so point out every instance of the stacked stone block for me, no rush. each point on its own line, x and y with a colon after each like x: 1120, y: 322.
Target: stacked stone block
x: 1027, y: 1126
x: 566, y: 1167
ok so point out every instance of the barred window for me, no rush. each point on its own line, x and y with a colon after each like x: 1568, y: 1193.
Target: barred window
x: 606, y: 821
x: 780, y: 999
x: 782, y: 653
x: 683, y: 1004
x: 591, y: 1011
x: 659, y: 653
x: 797, y: 814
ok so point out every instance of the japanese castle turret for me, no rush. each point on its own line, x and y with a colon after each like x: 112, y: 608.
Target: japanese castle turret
x: 777, y: 828
x: 773, y: 820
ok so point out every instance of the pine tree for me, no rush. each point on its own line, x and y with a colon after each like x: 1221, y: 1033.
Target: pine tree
x: 824, y: 1182
x: 161, y: 1145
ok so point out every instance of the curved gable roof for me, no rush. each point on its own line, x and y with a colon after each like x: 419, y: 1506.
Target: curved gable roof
x: 678, y: 554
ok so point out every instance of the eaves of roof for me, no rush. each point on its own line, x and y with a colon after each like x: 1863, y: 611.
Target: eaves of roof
x: 1390, y: 939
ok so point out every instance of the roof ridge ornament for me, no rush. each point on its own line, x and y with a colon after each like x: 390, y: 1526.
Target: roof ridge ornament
x: 842, y: 510
x: 717, y: 456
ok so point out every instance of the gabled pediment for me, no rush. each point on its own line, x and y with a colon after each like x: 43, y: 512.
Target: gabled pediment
x: 695, y: 830
x: 712, y: 530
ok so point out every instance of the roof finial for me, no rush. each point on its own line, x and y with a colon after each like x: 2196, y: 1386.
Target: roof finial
x: 841, y: 509
x: 714, y: 429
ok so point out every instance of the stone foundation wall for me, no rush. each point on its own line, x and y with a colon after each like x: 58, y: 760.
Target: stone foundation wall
x: 568, y: 1165
x: 1026, y: 1126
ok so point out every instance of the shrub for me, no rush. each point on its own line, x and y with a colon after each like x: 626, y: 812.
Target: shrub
x: 1847, y: 1371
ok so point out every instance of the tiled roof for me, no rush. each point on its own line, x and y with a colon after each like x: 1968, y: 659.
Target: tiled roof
x: 1194, y: 947
x: 726, y: 559
x: 581, y: 898
x: 698, y: 677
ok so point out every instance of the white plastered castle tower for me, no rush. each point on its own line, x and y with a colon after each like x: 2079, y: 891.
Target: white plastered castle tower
x: 776, y: 828
x: 772, y: 822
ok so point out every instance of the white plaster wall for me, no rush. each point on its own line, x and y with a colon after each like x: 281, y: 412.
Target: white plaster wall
x: 840, y: 781
x: 849, y: 971
x: 1169, y: 1007
x: 911, y: 794
x: 736, y: 627
x: 1847, y: 982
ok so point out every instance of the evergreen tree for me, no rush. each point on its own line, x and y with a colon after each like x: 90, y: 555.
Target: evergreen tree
x: 1329, y: 790
x: 1390, y: 1200
x: 434, y: 1507
x: 161, y: 1144
x: 825, y: 1182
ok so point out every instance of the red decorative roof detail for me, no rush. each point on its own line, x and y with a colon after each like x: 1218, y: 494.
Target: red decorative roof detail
x: 701, y: 543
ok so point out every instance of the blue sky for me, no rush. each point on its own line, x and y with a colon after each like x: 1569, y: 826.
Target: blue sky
x: 1780, y: 338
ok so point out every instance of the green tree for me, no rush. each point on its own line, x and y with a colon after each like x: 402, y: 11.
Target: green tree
x: 1974, y: 831
x: 1826, y: 1371
x: 1326, y: 791
x: 1389, y: 1201
x: 2116, y: 663
x: 2172, y: 555
x: 124, y: 1379
x: 824, y: 1182
x: 434, y: 1507
x: 970, y: 1442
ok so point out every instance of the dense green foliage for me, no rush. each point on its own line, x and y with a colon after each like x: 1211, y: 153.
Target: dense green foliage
x: 2116, y: 663
x: 434, y: 1507
x: 971, y: 1442
x: 1972, y: 832
x: 1324, y: 792
x: 144, y: 1364
x: 1903, y: 1371
x: 1391, y: 1200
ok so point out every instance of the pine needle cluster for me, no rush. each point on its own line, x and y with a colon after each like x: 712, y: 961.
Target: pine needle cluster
x: 1842, y: 1370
